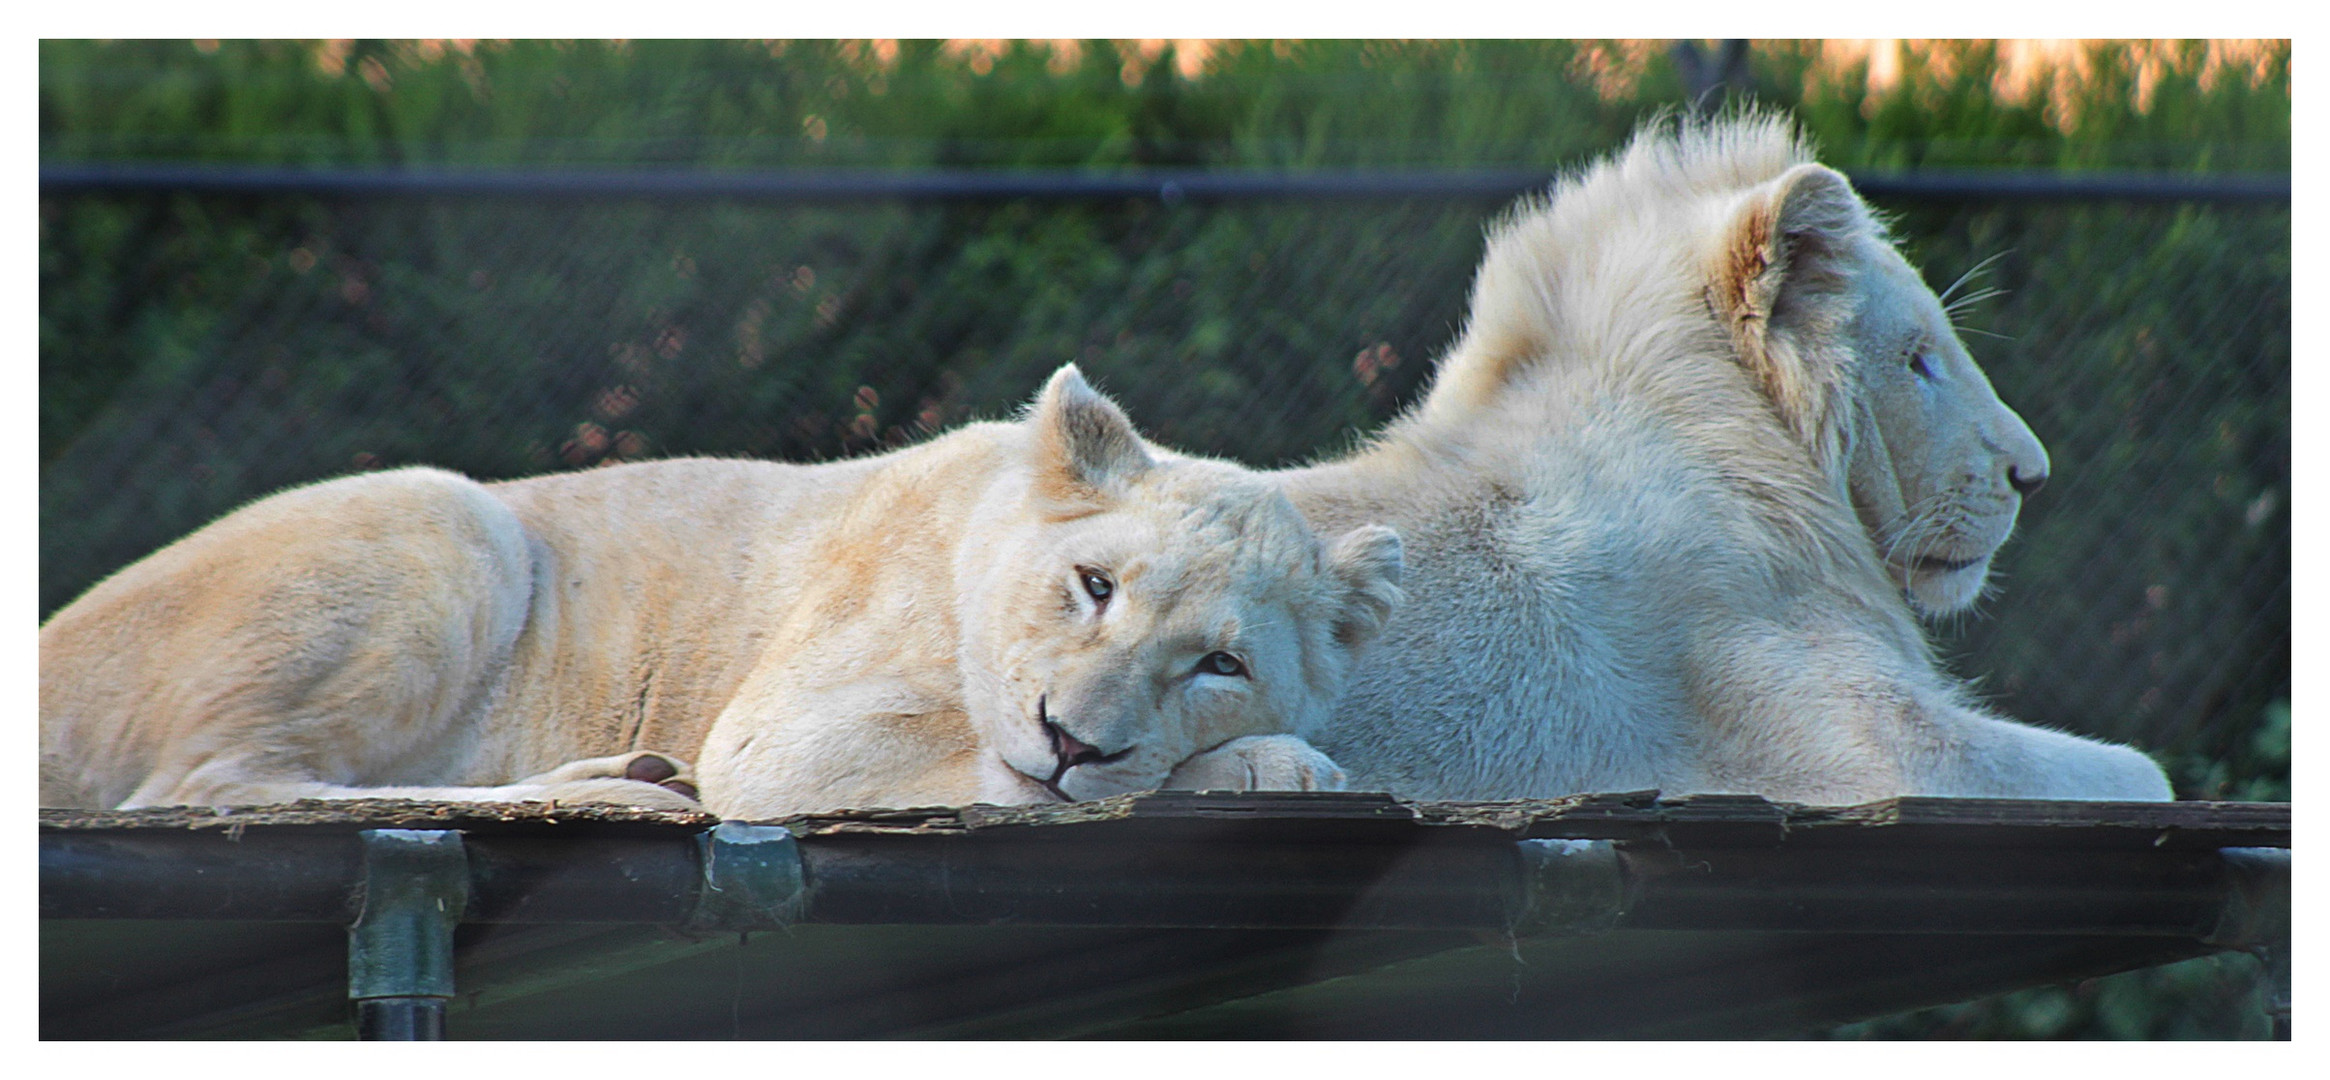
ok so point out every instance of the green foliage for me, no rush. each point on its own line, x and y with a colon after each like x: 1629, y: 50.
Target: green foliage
x: 199, y: 351
x: 2221, y: 996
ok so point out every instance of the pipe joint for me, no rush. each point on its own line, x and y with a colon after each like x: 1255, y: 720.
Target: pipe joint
x: 752, y: 878
x: 1569, y: 887
x: 400, y: 948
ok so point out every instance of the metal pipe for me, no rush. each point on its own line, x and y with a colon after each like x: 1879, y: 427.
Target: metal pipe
x: 271, y: 876
x: 1411, y: 879
x: 1452, y: 881
x: 401, y: 1019
x: 821, y: 185
x: 400, y: 948
x: 289, y: 875
x: 1923, y: 889
x: 2256, y: 917
x: 1168, y: 185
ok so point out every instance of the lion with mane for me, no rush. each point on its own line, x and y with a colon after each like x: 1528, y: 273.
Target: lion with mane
x: 1705, y: 449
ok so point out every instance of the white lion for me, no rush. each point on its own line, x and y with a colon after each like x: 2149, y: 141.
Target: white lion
x: 1703, y: 431
x: 1014, y: 612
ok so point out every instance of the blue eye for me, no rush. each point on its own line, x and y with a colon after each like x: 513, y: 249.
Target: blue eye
x: 1917, y: 364
x: 1220, y: 663
x: 1096, y: 585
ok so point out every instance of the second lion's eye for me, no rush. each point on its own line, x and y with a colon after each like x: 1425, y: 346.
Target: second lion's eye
x: 1221, y: 663
x: 1918, y: 364
x: 1096, y: 584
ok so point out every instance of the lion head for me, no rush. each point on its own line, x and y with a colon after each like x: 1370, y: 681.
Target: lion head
x: 1723, y: 241
x: 1862, y: 360
x: 1126, y: 609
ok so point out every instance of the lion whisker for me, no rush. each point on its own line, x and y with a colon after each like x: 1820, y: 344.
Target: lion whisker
x: 1910, y: 526
x: 1970, y: 273
x: 1962, y: 303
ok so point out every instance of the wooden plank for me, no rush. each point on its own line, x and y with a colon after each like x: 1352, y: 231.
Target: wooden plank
x: 1641, y: 816
x: 371, y: 814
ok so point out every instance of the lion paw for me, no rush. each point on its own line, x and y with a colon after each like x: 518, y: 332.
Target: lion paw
x: 1258, y: 763
x: 640, y: 778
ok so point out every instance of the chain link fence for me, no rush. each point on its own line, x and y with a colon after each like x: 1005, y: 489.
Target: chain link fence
x: 201, y: 350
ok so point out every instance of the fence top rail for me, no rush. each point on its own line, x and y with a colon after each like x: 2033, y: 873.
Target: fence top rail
x: 1169, y: 185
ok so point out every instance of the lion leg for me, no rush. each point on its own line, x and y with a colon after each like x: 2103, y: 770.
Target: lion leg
x: 262, y: 791
x: 642, y: 778
x: 1258, y: 763
x: 328, y: 642
x: 1994, y: 757
x: 648, y: 767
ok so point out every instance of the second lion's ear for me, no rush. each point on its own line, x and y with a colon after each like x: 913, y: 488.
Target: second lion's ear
x: 1081, y: 445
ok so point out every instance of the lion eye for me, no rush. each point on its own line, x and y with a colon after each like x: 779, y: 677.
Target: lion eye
x: 1917, y: 364
x: 1221, y: 663
x: 1096, y: 584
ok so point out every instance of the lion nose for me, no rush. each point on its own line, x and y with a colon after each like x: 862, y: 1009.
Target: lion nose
x: 1071, y: 750
x: 2026, y: 485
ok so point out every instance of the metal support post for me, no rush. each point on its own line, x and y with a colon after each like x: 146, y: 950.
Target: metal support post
x: 2256, y: 917
x: 400, y: 949
x: 752, y: 878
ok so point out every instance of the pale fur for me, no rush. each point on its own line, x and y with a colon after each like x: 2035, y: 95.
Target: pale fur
x: 1671, y: 496
x: 869, y: 632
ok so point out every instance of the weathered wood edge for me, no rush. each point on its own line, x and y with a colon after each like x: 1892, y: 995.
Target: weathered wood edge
x: 1637, y: 815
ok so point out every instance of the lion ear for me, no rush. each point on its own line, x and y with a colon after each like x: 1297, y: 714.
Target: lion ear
x: 1366, y: 562
x: 1082, y: 444
x: 1782, y: 285
x: 1792, y: 242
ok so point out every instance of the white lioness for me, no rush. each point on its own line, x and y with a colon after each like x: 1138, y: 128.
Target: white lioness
x: 1704, y: 430
x: 1014, y: 612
